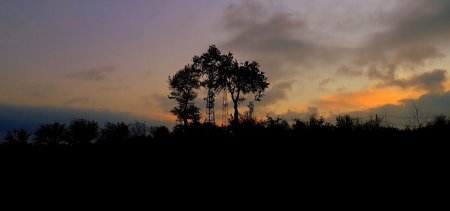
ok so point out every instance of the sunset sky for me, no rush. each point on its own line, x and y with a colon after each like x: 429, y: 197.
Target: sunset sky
x: 110, y: 59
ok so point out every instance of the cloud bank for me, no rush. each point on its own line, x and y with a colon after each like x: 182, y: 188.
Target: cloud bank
x: 12, y: 117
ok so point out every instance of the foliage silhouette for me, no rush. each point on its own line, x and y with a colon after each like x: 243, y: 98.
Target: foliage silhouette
x: 316, y: 122
x: 183, y: 88
x: 276, y: 125
x: 82, y: 131
x: 215, y: 72
x: 244, y: 79
x: 210, y: 64
x: 373, y: 124
x: 138, y: 130
x: 345, y: 122
x: 249, y: 134
x: 439, y: 122
x: 160, y: 133
x: 114, y: 133
x: 51, y: 134
x: 17, y: 137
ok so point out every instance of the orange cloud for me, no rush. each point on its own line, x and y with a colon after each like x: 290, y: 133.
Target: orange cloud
x: 447, y: 86
x: 366, y: 99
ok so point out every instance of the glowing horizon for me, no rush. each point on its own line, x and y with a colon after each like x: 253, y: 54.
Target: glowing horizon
x: 320, y: 56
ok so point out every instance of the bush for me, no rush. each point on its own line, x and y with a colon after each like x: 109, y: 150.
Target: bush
x: 50, y: 134
x: 17, y: 137
x: 82, y: 131
x: 114, y: 132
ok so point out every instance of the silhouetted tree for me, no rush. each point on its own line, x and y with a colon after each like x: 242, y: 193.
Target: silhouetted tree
x: 244, y: 79
x: 183, y: 88
x: 159, y: 132
x: 17, y: 137
x: 82, y: 131
x: 209, y: 65
x: 138, y: 130
x: 276, y: 125
x: 217, y: 72
x: 417, y: 115
x: 439, y: 122
x: 50, y: 134
x: 344, y: 122
x: 315, y: 122
x: 373, y: 124
x: 114, y: 132
x: 299, y: 126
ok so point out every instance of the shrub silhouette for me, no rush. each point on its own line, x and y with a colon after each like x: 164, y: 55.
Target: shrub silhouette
x: 345, y: 122
x: 17, y: 137
x: 276, y: 125
x: 439, y: 122
x: 50, y: 134
x: 373, y: 124
x: 160, y: 133
x: 316, y: 122
x: 247, y: 132
x: 246, y: 126
x: 114, y: 133
x: 299, y: 126
x: 82, y: 131
x: 138, y: 130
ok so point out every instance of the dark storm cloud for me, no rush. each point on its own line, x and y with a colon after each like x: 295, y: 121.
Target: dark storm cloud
x: 416, y: 55
x: 272, y: 37
x: 282, y: 41
x: 415, y: 29
x: 93, y: 74
x: 420, y: 21
x: 432, y: 81
x: 277, y: 93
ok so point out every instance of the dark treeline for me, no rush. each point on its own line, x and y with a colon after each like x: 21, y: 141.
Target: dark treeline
x: 314, y: 130
x: 272, y: 146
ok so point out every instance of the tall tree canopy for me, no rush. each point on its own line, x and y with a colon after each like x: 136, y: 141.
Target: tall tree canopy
x: 183, y: 88
x: 215, y: 72
x: 209, y: 64
x: 244, y: 79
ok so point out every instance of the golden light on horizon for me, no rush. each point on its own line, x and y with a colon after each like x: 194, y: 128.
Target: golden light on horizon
x: 367, y: 99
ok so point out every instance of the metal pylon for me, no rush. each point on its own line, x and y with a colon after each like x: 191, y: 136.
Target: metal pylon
x: 251, y: 109
x: 210, y: 107
x: 225, y: 108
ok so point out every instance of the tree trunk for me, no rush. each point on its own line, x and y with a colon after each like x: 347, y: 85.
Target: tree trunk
x: 236, y: 112
x: 185, y: 116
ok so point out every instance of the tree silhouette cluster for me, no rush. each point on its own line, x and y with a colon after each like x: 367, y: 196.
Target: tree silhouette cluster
x: 83, y: 132
x: 215, y: 72
x: 312, y: 130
